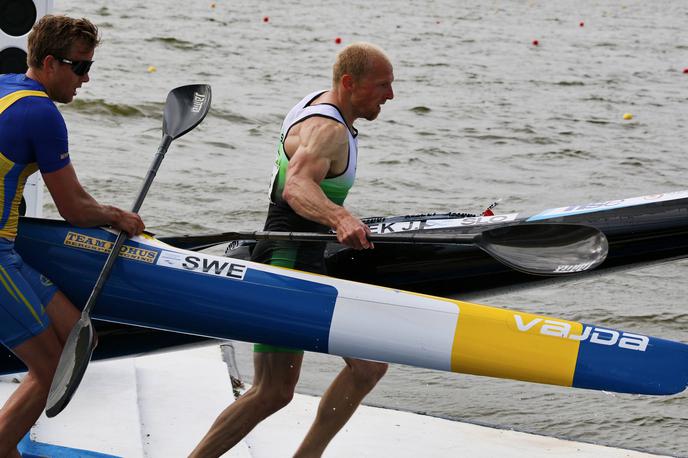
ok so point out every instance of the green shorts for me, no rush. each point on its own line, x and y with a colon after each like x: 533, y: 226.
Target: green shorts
x: 265, y: 348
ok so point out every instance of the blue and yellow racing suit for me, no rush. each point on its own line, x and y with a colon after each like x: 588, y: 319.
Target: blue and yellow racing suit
x: 33, y: 136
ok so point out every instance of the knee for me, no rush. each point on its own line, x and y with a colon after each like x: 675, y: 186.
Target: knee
x: 43, y: 373
x: 367, y: 373
x: 274, y: 397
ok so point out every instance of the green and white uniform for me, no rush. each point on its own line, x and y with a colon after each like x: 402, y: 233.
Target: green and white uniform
x: 336, y: 187
x: 307, y: 256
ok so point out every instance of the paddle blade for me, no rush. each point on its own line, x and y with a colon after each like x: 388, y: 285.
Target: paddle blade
x: 185, y: 108
x: 72, y: 366
x: 546, y: 249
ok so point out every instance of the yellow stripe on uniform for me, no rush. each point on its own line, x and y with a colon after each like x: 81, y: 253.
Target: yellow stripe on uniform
x: 9, y: 229
x: 19, y: 293
x: 522, y: 346
x: 12, y: 224
x: 9, y: 99
x: 5, y: 168
x: 7, y: 287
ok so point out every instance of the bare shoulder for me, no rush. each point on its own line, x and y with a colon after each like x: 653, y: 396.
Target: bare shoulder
x: 319, y: 135
x: 324, y: 128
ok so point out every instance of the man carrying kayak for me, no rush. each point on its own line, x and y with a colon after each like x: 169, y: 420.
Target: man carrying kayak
x: 36, y: 318
x: 315, y: 168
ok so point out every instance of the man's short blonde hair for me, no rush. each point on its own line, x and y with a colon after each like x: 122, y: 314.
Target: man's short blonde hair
x: 56, y: 34
x: 355, y: 60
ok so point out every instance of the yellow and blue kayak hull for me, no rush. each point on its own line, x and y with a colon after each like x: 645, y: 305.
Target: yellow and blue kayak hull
x: 158, y: 286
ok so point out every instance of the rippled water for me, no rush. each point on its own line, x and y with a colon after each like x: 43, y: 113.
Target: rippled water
x: 480, y: 114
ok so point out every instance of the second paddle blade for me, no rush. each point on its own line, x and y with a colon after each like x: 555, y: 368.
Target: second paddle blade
x: 546, y: 249
x: 78, y: 349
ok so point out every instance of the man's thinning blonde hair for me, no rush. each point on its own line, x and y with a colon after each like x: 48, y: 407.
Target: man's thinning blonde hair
x: 355, y: 60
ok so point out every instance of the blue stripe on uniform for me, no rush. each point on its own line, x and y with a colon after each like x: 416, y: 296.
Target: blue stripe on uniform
x: 11, y: 176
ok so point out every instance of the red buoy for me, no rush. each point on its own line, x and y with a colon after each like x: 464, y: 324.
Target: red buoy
x: 266, y: 19
x: 536, y: 42
x: 581, y: 24
x: 338, y: 40
x: 685, y: 70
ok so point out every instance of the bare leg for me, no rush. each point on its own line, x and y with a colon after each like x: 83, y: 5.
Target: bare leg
x: 339, y: 403
x: 22, y: 409
x: 40, y: 354
x: 63, y: 316
x: 276, y: 375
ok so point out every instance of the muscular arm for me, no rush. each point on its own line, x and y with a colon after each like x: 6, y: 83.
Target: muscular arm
x: 320, y: 142
x: 79, y: 208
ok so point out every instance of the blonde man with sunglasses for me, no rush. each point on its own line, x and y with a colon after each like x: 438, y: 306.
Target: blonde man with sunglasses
x: 35, y: 317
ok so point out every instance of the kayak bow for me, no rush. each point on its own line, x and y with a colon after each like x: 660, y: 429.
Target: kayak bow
x: 640, y: 231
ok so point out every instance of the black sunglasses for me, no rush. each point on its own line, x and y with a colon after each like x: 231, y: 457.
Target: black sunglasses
x: 79, y: 67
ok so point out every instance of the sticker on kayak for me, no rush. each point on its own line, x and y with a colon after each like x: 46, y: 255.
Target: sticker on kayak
x: 209, y: 265
x: 564, y: 329
x: 86, y: 242
x: 420, y: 224
x: 608, y: 205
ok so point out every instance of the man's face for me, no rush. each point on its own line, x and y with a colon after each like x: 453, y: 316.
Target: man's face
x: 373, y: 89
x: 65, y: 81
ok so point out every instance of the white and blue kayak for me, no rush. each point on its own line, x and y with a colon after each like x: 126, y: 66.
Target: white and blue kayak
x: 156, y: 285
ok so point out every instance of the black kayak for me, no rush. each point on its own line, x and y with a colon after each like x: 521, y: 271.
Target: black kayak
x: 640, y: 231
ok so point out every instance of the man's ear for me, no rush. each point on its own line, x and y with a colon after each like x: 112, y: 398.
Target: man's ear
x: 348, y: 82
x: 49, y: 63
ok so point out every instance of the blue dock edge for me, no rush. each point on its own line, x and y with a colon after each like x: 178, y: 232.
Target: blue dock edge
x: 32, y: 449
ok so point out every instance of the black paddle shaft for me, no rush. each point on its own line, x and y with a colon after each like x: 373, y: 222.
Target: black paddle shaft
x: 199, y: 242
x: 122, y: 236
x: 185, y: 108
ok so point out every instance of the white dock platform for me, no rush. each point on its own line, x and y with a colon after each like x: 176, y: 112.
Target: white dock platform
x: 160, y: 405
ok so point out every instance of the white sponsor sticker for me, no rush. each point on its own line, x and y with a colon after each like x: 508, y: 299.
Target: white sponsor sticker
x: 420, y: 224
x: 592, y: 334
x: 567, y: 268
x: 204, y: 264
x: 608, y: 205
